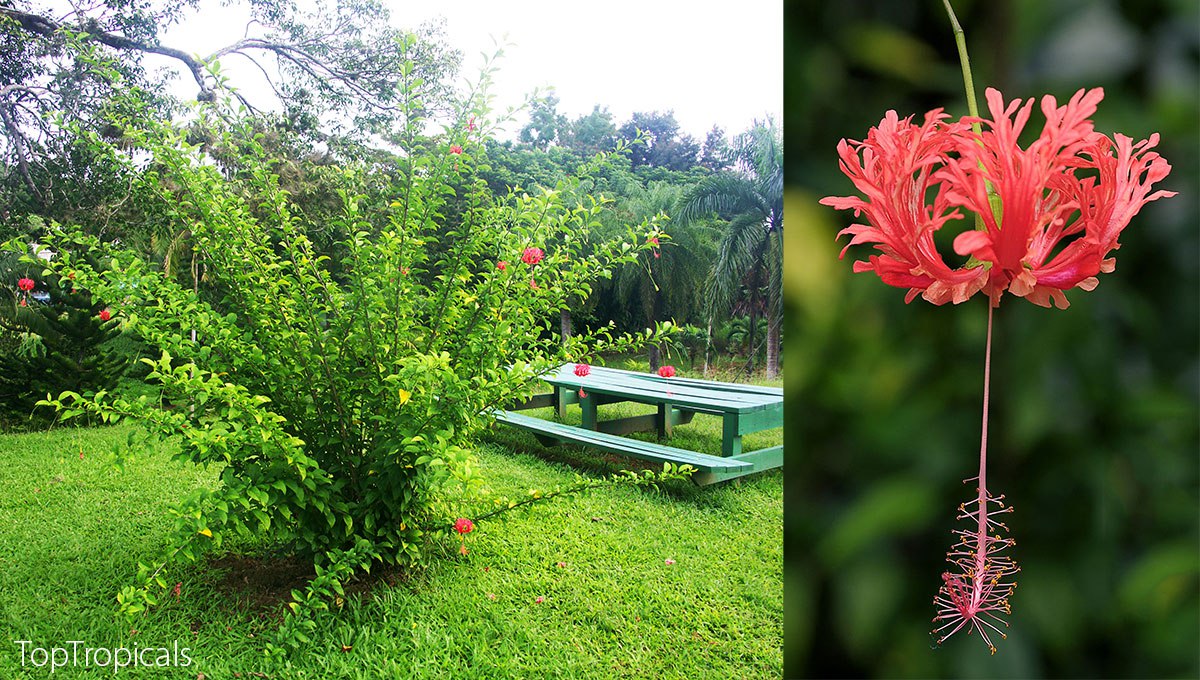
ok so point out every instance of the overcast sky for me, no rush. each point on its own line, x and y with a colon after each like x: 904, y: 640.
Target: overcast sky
x: 710, y: 62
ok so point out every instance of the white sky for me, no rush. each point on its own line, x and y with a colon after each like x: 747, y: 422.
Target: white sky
x: 710, y: 62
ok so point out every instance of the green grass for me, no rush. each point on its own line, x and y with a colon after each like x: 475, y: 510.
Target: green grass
x: 72, y: 531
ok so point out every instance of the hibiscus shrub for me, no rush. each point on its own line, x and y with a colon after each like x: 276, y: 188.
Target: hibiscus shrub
x: 337, y: 393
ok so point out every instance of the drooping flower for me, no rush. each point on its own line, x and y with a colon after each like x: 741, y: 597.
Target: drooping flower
x: 666, y: 371
x: 456, y: 149
x: 977, y: 595
x: 463, y: 525
x: 582, y: 370
x: 105, y: 314
x: 25, y: 284
x: 1051, y: 212
x: 471, y: 124
x: 532, y: 256
x: 501, y: 265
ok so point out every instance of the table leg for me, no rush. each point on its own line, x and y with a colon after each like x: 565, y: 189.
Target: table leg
x: 663, y: 421
x: 588, y: 406
x: 731, y: 440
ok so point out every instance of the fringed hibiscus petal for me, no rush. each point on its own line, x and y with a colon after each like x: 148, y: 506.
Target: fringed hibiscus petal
x: 1050, y: 212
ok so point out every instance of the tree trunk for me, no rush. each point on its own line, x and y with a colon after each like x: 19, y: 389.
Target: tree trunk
x: 564, y: 322
x: 773, y: 328
x: 708, y: 345
x: 753, y: 326
x: 655, y: 358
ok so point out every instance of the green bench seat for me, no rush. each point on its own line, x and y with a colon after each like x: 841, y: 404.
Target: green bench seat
x: 709, y: 468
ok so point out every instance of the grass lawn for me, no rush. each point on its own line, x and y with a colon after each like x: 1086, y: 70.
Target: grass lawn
x: 682, y: 582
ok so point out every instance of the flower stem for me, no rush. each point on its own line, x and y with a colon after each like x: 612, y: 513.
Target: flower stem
x: 960, y: 39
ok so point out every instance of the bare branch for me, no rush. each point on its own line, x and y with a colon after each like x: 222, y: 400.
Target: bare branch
x: 18, y: 141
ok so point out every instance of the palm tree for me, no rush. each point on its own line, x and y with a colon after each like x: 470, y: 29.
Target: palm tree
x: 750, y: 254
x: 664, y: 286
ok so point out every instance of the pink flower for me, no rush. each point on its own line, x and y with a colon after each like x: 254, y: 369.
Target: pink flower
x: 532, y: 256
x: 539, y: 599
x: 1065, y: 199
x: 456, y: 149
x: 582, y: 394
x: 668, y: 561
x: 25, y: 284
x: 582, y: 370
x: 653, y: 240
x: 666, y: 371
x: 471, y: 124
x: 561, y: 565
x: 24, y: 303
x: 501, y: 265
x: 533, y: 284
x: 105, y: 315
x: 977, y: 595
x: 463, y: 525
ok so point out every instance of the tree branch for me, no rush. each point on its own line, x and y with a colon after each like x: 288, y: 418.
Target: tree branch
x: 40, y: 25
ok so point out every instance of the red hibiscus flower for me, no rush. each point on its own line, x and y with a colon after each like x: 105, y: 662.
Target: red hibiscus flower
x: 501, y: 265
x: 105, y: 315
x: 666, y: 371
x: 25, y: 284
x: 463, y: 525
x: 1055, y: 211
x: 456, y: 149
x: 582, y: 369
x: 532, y: 256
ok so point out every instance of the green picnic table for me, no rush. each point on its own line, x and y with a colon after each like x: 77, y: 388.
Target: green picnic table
x: 742, y: 408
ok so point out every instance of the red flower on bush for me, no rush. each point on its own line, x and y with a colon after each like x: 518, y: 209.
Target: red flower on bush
x: 25, y: 284
x: 532, y: 256
x: 501, y: 265
x: 582, y: 369
x: 105, y: 315
x: 463, y: 525
x: 666, y: 371
x: 1065, y: 199
x: 456, y: 149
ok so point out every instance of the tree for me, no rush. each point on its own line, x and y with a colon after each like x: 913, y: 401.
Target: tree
x: 57, y: 340
x: 545, y: 124
x: 750, y: 254
x: 592, y: 133
x: 345, y: 63
x: 716, y: 154
x: 662, y: 145
x: 665, y: 284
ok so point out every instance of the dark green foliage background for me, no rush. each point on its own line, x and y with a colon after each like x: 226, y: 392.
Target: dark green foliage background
x: 1094, y: 421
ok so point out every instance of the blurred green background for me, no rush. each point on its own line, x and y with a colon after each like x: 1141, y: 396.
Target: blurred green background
x: 1095, y: 421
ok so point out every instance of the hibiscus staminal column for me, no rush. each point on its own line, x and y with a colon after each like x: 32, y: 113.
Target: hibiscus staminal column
x: 975, y: 595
